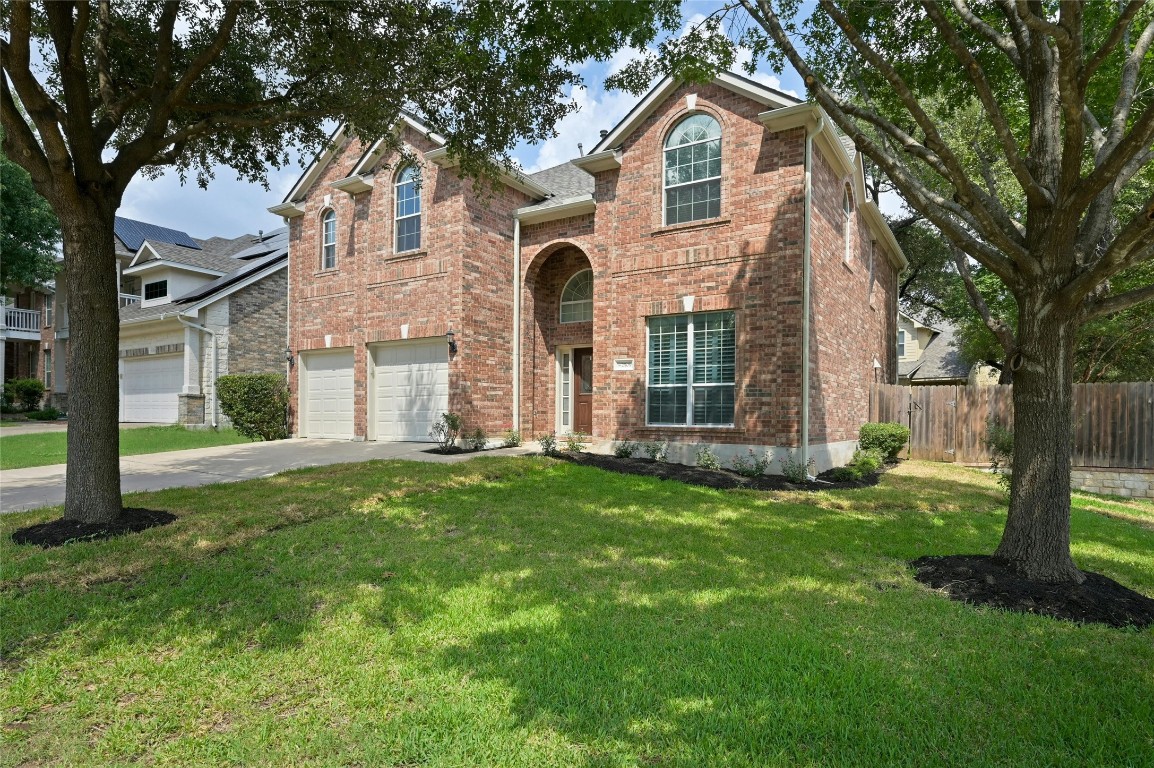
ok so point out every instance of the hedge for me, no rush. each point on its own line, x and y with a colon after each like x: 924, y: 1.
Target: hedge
x: 256, y: 403
x: 887, y: 438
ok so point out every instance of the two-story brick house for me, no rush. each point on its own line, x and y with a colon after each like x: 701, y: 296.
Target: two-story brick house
x: 712, y: 272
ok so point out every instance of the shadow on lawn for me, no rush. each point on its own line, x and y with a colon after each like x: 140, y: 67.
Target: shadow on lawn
x: 690, y: 626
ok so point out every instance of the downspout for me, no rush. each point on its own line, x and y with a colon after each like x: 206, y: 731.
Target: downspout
x: 202, y: 329
x: 807, y: 238
x: 516, y: 324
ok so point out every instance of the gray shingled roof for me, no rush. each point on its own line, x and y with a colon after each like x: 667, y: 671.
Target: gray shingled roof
x: 277, y: 243
x: 216, y: 253
x: 565, y: 180
x: 942, y: 359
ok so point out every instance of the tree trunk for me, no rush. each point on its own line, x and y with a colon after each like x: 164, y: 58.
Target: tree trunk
x: 1036, y: 542
x: 92, y: 487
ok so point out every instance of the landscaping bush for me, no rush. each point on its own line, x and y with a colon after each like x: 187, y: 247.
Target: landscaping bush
x: 750, y: 466
x: 794, y: 470
x: 888, y: 438
x: 657, y: 450
x: 1000, y: 442
x: 624, y: 449
x: 575, y: 442
x: 47, y: 414
x: 843, y: 474
x: 25, y: 393
x: 446, y: 431
x: 513, y: 438
x: 707, y: 459
x: 548, y: 444
x: 863, y: 464
x: 256, y: 403
x: 478, y: 440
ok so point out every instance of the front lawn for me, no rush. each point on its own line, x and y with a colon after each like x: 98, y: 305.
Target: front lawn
x: 531, y: 612
x: 43, y: 448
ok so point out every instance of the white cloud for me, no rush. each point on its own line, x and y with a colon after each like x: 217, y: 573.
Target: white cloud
x: 596, y: 111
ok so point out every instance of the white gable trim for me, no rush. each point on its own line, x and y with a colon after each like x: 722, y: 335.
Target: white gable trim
x: 195, y: 308
x: 336, y: 143
x: 148, y: 266
x: 576, y: 206
x: 440, y: 157
x: 369, y: 160
x: 739, y: 85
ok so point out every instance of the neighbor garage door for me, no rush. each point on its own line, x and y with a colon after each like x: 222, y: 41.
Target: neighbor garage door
x: 410, y: 390
x: 149, y: 388
x: 328, y: 395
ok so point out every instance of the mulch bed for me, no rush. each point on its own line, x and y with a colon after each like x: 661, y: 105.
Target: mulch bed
x: 710, y: 478
x: 985, y: 580
x: 60, y: 532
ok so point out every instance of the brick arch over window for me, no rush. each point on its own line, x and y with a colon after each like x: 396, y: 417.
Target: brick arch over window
x: 691, y: 170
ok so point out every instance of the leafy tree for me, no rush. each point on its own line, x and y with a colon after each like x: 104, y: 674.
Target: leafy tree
x: 125, y: 88
x: 1051, y: 199
x: 29, y: 232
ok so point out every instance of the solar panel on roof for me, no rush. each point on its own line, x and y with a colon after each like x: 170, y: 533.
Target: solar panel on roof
x: 133, y: 234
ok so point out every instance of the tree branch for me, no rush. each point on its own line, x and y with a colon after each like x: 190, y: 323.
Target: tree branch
x: 1001, y: 330
x: 1121, y: 301
x: 1117, y: 32
x: 1002, y: 42
x: 20, y: 142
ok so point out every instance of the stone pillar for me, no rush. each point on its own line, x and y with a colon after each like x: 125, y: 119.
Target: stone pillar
x: 190, y: 409
x: 192, y: 366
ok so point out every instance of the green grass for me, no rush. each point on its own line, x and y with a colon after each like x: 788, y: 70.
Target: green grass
x: 529, y: 612
x: 42, y: 448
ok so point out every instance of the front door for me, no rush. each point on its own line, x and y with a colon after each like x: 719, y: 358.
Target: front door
x: 583, y: 390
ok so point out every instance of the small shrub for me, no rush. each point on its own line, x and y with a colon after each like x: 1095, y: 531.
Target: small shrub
x: 446, y: 430
x: 888, y: 438
x: 548, y: 444
x: 1000, y: 442
x: 46, y: 414
x: 658, y: 450
x: 866, y: 462
x: 624, y: 449
x: 25, y: 393
x: 707, y: 459
x: 843, y: 474
x: 575, y: 442
x: 794, y: 470
x: 256, y: 403
x: 512, y: 438
x: 478, y: 440
x: 750, y: 466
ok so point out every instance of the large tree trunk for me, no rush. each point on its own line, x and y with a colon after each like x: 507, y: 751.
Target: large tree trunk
x: 92, y: 489
x: 1036, y: 541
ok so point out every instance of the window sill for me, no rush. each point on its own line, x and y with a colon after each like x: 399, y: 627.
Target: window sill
x: 329, y: 271
x: 672, y: 229
x: 682, y: 429
x: 402, y: 255
x: 849, y: 266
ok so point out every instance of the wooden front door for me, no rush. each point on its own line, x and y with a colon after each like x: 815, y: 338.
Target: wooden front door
x: 583, y: 390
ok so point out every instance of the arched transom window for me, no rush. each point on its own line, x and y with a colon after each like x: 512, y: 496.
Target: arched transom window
x: 577, y: 298
x: 329, y: 239
x: 408, y: 219
x: 693, y: 170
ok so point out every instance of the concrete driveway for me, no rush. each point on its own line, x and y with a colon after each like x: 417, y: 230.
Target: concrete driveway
x: 36, y: 487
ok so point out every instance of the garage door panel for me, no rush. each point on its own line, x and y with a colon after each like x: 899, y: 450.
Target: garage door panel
x: 329, y: 395
x: 411, y: 390
x: 150, y: 389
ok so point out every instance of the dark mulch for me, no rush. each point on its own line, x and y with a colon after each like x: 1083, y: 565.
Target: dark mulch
x: 60, y: 532
x: 984, y: 580
x: 710, y: 478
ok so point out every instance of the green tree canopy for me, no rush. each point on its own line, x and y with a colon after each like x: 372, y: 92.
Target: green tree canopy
x: 29, y: 231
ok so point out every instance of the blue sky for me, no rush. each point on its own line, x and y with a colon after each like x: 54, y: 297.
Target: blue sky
x: 229, y: 207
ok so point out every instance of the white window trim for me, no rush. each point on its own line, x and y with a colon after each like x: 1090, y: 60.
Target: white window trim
x: 847, y: 209
x: 901, y: 342
x: 144, y: 291
x: 559, y: 427
x: 690, y: 385
x: 397, y: 219
x: 563, y: 304
x: 325, y: 245
x: 665, y: 186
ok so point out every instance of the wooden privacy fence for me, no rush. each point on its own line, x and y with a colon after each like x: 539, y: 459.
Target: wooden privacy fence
x: 1113, y: 423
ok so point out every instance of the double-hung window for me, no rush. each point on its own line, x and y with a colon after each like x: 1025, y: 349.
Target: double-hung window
x: 692, y: 369
x: 157, y: 290
x: 693, y: 170
x: 408, y: 219
x: 329, y: 240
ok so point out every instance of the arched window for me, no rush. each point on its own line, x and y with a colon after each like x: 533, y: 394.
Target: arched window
x: 408, y: 219
x: 329, y: 239
x: 847, y: 231
x: 577, y: 298
x: 693, y: 170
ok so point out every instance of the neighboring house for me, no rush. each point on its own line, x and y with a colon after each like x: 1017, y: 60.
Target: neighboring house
x: 190, y: 310
x: 651, y: 289
x: 26, y: 333
x: 929, y: 354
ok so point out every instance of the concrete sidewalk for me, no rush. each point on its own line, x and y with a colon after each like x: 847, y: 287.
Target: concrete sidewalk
x: 36, y: 487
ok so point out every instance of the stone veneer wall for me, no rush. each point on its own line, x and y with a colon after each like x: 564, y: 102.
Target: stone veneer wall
x: 1136, y: 483
x: 259, y: 317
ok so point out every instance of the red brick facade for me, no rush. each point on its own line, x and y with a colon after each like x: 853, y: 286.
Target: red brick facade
x: 748, y: 260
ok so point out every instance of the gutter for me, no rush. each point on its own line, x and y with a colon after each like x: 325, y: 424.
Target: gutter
x: 516, y: 324
x: 202, y: 329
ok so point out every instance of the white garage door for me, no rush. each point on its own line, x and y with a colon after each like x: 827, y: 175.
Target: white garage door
x: 328, y: 395
x: 411, y: 389
x: 149, y: 388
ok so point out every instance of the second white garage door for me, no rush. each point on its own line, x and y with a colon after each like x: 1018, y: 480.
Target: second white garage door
x: 149, y: 388
x: 410, y: 389
x: 328, y: 395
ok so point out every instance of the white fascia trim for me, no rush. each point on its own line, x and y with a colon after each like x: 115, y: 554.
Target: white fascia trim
x: 811, y: 116
x: 881, y: 230
x: 156, y: 263
x: 353, y: 185
x: 440, y: 157
x: 369, y: 161
x: 139, y: 251
x: 286, y: 210
x: 662, y: 90
x: 193, y: 309
x: 168, y: 317
x: 323, y: 159
x: 574, y: 207
x: 917, y: 324
x: 608, y: 160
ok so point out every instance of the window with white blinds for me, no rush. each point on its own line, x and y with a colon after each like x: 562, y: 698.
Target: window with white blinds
x: 692, y: 369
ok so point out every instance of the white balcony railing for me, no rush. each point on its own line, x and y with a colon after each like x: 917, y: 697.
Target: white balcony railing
x: 129, y: 300
x: 22, y: 319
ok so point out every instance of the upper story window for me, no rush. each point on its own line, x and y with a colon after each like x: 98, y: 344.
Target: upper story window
x: 329, y: 239
x: 901, y: 343
x: 693, y: 170
x: 847, y: 232
x: 157, y: 290
x: 408, y: 219
x: 577, y: 298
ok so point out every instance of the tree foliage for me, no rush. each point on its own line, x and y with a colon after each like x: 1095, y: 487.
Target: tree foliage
x: 29, y: 231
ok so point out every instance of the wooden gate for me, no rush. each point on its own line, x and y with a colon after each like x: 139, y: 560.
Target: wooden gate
x: 932, y: 423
